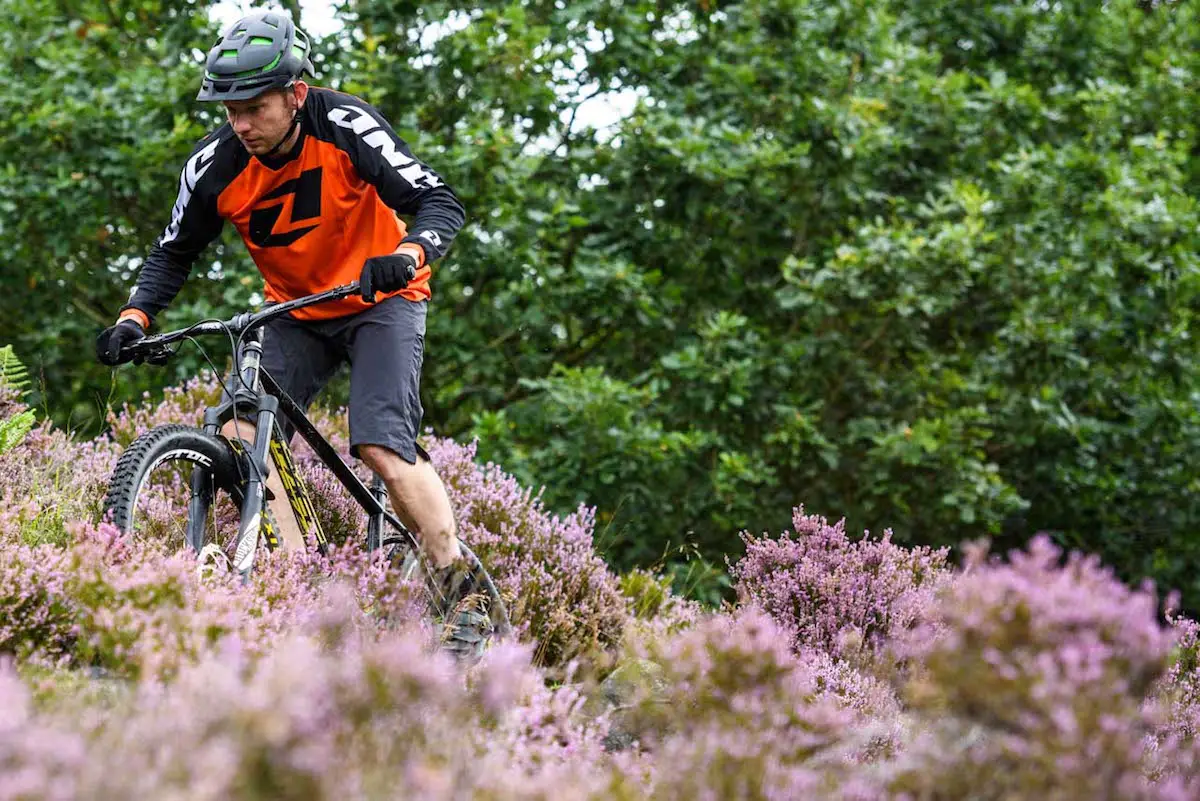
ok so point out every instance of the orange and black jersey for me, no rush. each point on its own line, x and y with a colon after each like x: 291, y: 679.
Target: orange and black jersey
x: 309, y: 218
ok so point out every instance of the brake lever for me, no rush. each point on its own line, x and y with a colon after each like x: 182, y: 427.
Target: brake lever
x: 158, y: 355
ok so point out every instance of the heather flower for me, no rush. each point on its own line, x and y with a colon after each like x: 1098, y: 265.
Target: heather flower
x: 738, y: 715
x: 36, y: 617
x: 846, y: 598
x: 180, y: 404
x: 37, y: 759
x: 1173, y: 747
x: 1033, y: 680
x: 331, y: 711
x: 136, y: 610
x: 559, y: 591
x: 1180, y: 687
x: 49, y: 481
x: 529, y: 723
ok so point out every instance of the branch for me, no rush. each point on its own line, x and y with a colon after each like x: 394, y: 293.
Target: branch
x: 564, y: 139
x: 90, y: 312
x: 294, y: 7
x: 887, y: 323
x: 584, y: 350
x: 112, y: 15
x: 464, y: 305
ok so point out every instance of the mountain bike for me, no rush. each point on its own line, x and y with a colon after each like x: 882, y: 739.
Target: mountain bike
x: 224, y: 479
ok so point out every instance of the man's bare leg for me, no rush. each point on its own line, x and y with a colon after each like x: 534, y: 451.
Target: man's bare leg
x: 419, y: 498
x: 290, y: 535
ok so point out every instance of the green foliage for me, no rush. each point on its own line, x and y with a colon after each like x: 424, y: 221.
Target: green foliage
x: 99, y: 114
x: 646, y: 592
x: 589, y: 424
x: 14, y: 376
x: 14, y: 382
x: 931, y: 266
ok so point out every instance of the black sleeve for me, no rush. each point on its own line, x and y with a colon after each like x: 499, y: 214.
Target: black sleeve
x: 383, y: 160
x: 194, y: 223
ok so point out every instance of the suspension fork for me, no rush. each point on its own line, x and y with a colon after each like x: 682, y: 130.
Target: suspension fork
x: 199, y: 502
x: 250, y: 526
x: 252, y: 504
x: 203, y: 491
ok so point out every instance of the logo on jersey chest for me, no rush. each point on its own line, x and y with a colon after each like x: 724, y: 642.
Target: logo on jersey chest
x: 373, y: 134
x: 265, y: 230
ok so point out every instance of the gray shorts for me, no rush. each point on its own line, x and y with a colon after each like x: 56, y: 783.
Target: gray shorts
x: 384, y: 346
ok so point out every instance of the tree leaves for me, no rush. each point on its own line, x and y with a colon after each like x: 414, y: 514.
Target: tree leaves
x: 930, y: 267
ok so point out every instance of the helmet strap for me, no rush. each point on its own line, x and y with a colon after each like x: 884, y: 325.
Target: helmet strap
x: 291, y: 129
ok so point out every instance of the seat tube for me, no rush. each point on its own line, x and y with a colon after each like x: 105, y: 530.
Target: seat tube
x: 375, y: 521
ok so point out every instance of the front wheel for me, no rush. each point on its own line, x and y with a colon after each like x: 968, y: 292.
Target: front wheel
x: 173, y: 474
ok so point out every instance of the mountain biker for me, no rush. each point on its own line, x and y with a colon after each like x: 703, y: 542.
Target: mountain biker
x: 314, y: 181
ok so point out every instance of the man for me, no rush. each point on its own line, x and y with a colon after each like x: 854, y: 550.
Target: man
x: 313, y: 180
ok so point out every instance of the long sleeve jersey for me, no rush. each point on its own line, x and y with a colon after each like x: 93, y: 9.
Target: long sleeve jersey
x: 310, y: 218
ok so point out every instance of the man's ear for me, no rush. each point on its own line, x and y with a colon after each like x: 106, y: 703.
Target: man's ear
x: 301, y: 93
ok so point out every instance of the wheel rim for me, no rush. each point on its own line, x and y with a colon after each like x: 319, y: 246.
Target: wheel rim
x: 411, y: 566
x: 159, y: 512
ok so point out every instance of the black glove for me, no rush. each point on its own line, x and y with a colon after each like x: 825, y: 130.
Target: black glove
x: 114, y: 339
x: 386, y: 274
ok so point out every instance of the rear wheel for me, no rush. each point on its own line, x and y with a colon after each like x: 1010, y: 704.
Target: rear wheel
x: 472, y: 613
x: 170, y: 473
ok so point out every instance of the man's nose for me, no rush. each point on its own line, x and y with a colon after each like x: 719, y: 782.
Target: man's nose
x: 241, y: 125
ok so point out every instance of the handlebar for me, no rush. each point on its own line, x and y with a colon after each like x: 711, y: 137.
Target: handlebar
x: 156, y: 349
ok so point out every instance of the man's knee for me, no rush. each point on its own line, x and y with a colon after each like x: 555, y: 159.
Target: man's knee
x: 383, y: 460
x: 239, y: 429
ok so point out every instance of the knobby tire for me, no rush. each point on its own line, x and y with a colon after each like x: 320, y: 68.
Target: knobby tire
x: 164, y: 445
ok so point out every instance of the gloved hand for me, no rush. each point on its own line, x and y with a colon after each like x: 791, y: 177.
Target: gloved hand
x: 386, y: 274
x: 115, y: 338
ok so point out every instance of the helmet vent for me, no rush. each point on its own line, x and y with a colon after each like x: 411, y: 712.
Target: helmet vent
x: 259, y: 52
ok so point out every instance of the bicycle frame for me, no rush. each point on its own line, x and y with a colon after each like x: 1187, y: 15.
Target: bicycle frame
x: 256, y: 391
x: 271, y: 403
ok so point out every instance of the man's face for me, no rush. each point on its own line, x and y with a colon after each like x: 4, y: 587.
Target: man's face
x: 261, y: 122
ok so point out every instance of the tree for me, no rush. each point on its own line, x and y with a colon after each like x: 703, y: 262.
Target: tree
x: 928, y: 266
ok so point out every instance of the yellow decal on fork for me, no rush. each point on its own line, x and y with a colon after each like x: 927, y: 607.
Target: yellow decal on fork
x: 267, y: 528
x: 297, y: 491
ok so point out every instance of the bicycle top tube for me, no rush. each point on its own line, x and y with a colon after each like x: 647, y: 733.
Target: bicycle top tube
x: 238, y: 324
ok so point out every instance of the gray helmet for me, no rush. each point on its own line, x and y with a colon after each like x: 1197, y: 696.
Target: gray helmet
x: 259, y: 52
